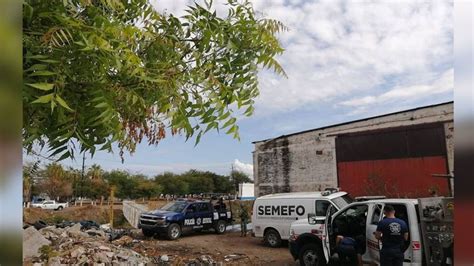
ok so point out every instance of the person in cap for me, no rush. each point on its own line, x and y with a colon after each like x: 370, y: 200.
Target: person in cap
x: 393, y: 233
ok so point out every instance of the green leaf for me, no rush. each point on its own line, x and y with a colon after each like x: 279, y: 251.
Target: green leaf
x: 101, y: 105
x: 44, y: 99
x: 36, y: 56
x: 42, y: 73
x: 41, y: 86
x: 64, y: 156
x: 49, y: 61
x: 229, y: 122
x: 57, y: 151
x: 198, y: 138
x: 63, y: 103
x: 232, y: 129
x: 37, y: 67
x: 223, y: 117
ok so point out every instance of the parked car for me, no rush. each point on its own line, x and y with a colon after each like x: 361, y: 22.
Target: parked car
x: 52, y: 205
x: 37, y: 202
x: 273, y: 214
x: 183, y: 216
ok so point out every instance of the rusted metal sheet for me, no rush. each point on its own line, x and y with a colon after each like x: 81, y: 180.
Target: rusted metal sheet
x: 403, y: 142
x: 401, y: 177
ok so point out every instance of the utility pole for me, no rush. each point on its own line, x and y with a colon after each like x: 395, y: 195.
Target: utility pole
x: 82, y: 174
x: 111, y: 200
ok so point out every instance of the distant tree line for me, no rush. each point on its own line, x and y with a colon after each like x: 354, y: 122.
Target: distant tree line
x: 62, y: 183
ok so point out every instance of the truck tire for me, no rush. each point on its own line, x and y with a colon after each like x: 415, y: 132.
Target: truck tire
x: 272, y: 238
x: 220, y: 227
x: 148, y: 233
x: 311, y: 255
x: 60, y: 208
x: 174, y: 231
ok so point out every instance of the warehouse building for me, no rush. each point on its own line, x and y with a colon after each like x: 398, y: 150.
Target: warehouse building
x: 402, y: 154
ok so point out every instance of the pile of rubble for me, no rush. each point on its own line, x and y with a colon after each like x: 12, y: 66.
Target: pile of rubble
x: 87, y: 243
x: 79, y: 243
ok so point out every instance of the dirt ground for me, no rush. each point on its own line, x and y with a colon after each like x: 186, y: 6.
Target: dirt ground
x: 244, y: 250
x: 248, y: 250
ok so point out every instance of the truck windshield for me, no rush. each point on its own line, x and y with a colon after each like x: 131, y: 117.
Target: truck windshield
x: 177, y: 206
x: 342, y: 201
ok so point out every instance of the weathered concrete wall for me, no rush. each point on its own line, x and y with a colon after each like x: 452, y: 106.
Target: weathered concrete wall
x: 449, y: 132
x: 132, y: 211
x: 306, y: 161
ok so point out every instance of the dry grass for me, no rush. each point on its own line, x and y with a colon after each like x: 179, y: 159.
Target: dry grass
x: 98, y: 214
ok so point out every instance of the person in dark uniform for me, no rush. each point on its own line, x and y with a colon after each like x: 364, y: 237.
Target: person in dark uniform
x: 393, y: 233
x: 220, y: 206
x: 350, y: 249
x: 244, y: 217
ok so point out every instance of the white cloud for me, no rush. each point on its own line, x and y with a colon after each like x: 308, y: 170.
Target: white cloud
x: 399, y: 94
x: 336, y: 49
x: 246, y: 168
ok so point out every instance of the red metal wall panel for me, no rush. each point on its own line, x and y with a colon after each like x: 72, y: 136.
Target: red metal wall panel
x: 405, y: 177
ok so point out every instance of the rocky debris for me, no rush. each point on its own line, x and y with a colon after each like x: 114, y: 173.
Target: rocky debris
x: 123, y: 241
x: 32, y: 241
x: 233, y: 257
x: 206, y: 259
x: 78, y: 244
x: 39, y: 224
x: 164, y: 258
x: 89, y: 224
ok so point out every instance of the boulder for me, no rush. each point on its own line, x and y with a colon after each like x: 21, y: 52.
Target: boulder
x: 104, y: 248
x: 76, y: 228
x: 164, y: 258
x: 124, y: 240
x: 54, y: 261
x: 51, y: 229
x: 77, y: 252
x: 101, y: 257
x: 32, y: 241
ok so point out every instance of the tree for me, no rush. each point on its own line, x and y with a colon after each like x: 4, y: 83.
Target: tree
x: 55, y: 182
x: 30, y: 171
x: 124, y: 183
x: 222, y: 183
x: 98, y: 72
x: 147, y: 188
x: 238, y: 177
x: 198, y: 182
x: 172, y: 184
x: 93, y: 185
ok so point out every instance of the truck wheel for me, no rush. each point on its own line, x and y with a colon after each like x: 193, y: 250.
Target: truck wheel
x: 272, y: 238
x: 147, y: 233
x: 60, y: 208
x: 311, y: 255
x: 174, y: 231
x: 220, y: 227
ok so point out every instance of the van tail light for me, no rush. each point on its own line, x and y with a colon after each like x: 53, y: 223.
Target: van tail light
x: 416, y: 245
x: 315, y: 232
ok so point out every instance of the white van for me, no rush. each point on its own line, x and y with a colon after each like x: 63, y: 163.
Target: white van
x: 273, y: 214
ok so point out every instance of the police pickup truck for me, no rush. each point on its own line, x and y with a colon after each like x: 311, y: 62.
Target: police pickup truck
x: 181, y: 216
x: 430, y: 227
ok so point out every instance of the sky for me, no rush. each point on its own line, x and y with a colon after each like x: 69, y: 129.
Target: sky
x: 345, y: 60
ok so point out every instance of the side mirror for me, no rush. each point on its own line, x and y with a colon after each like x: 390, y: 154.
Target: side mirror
x: 312, y: 218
